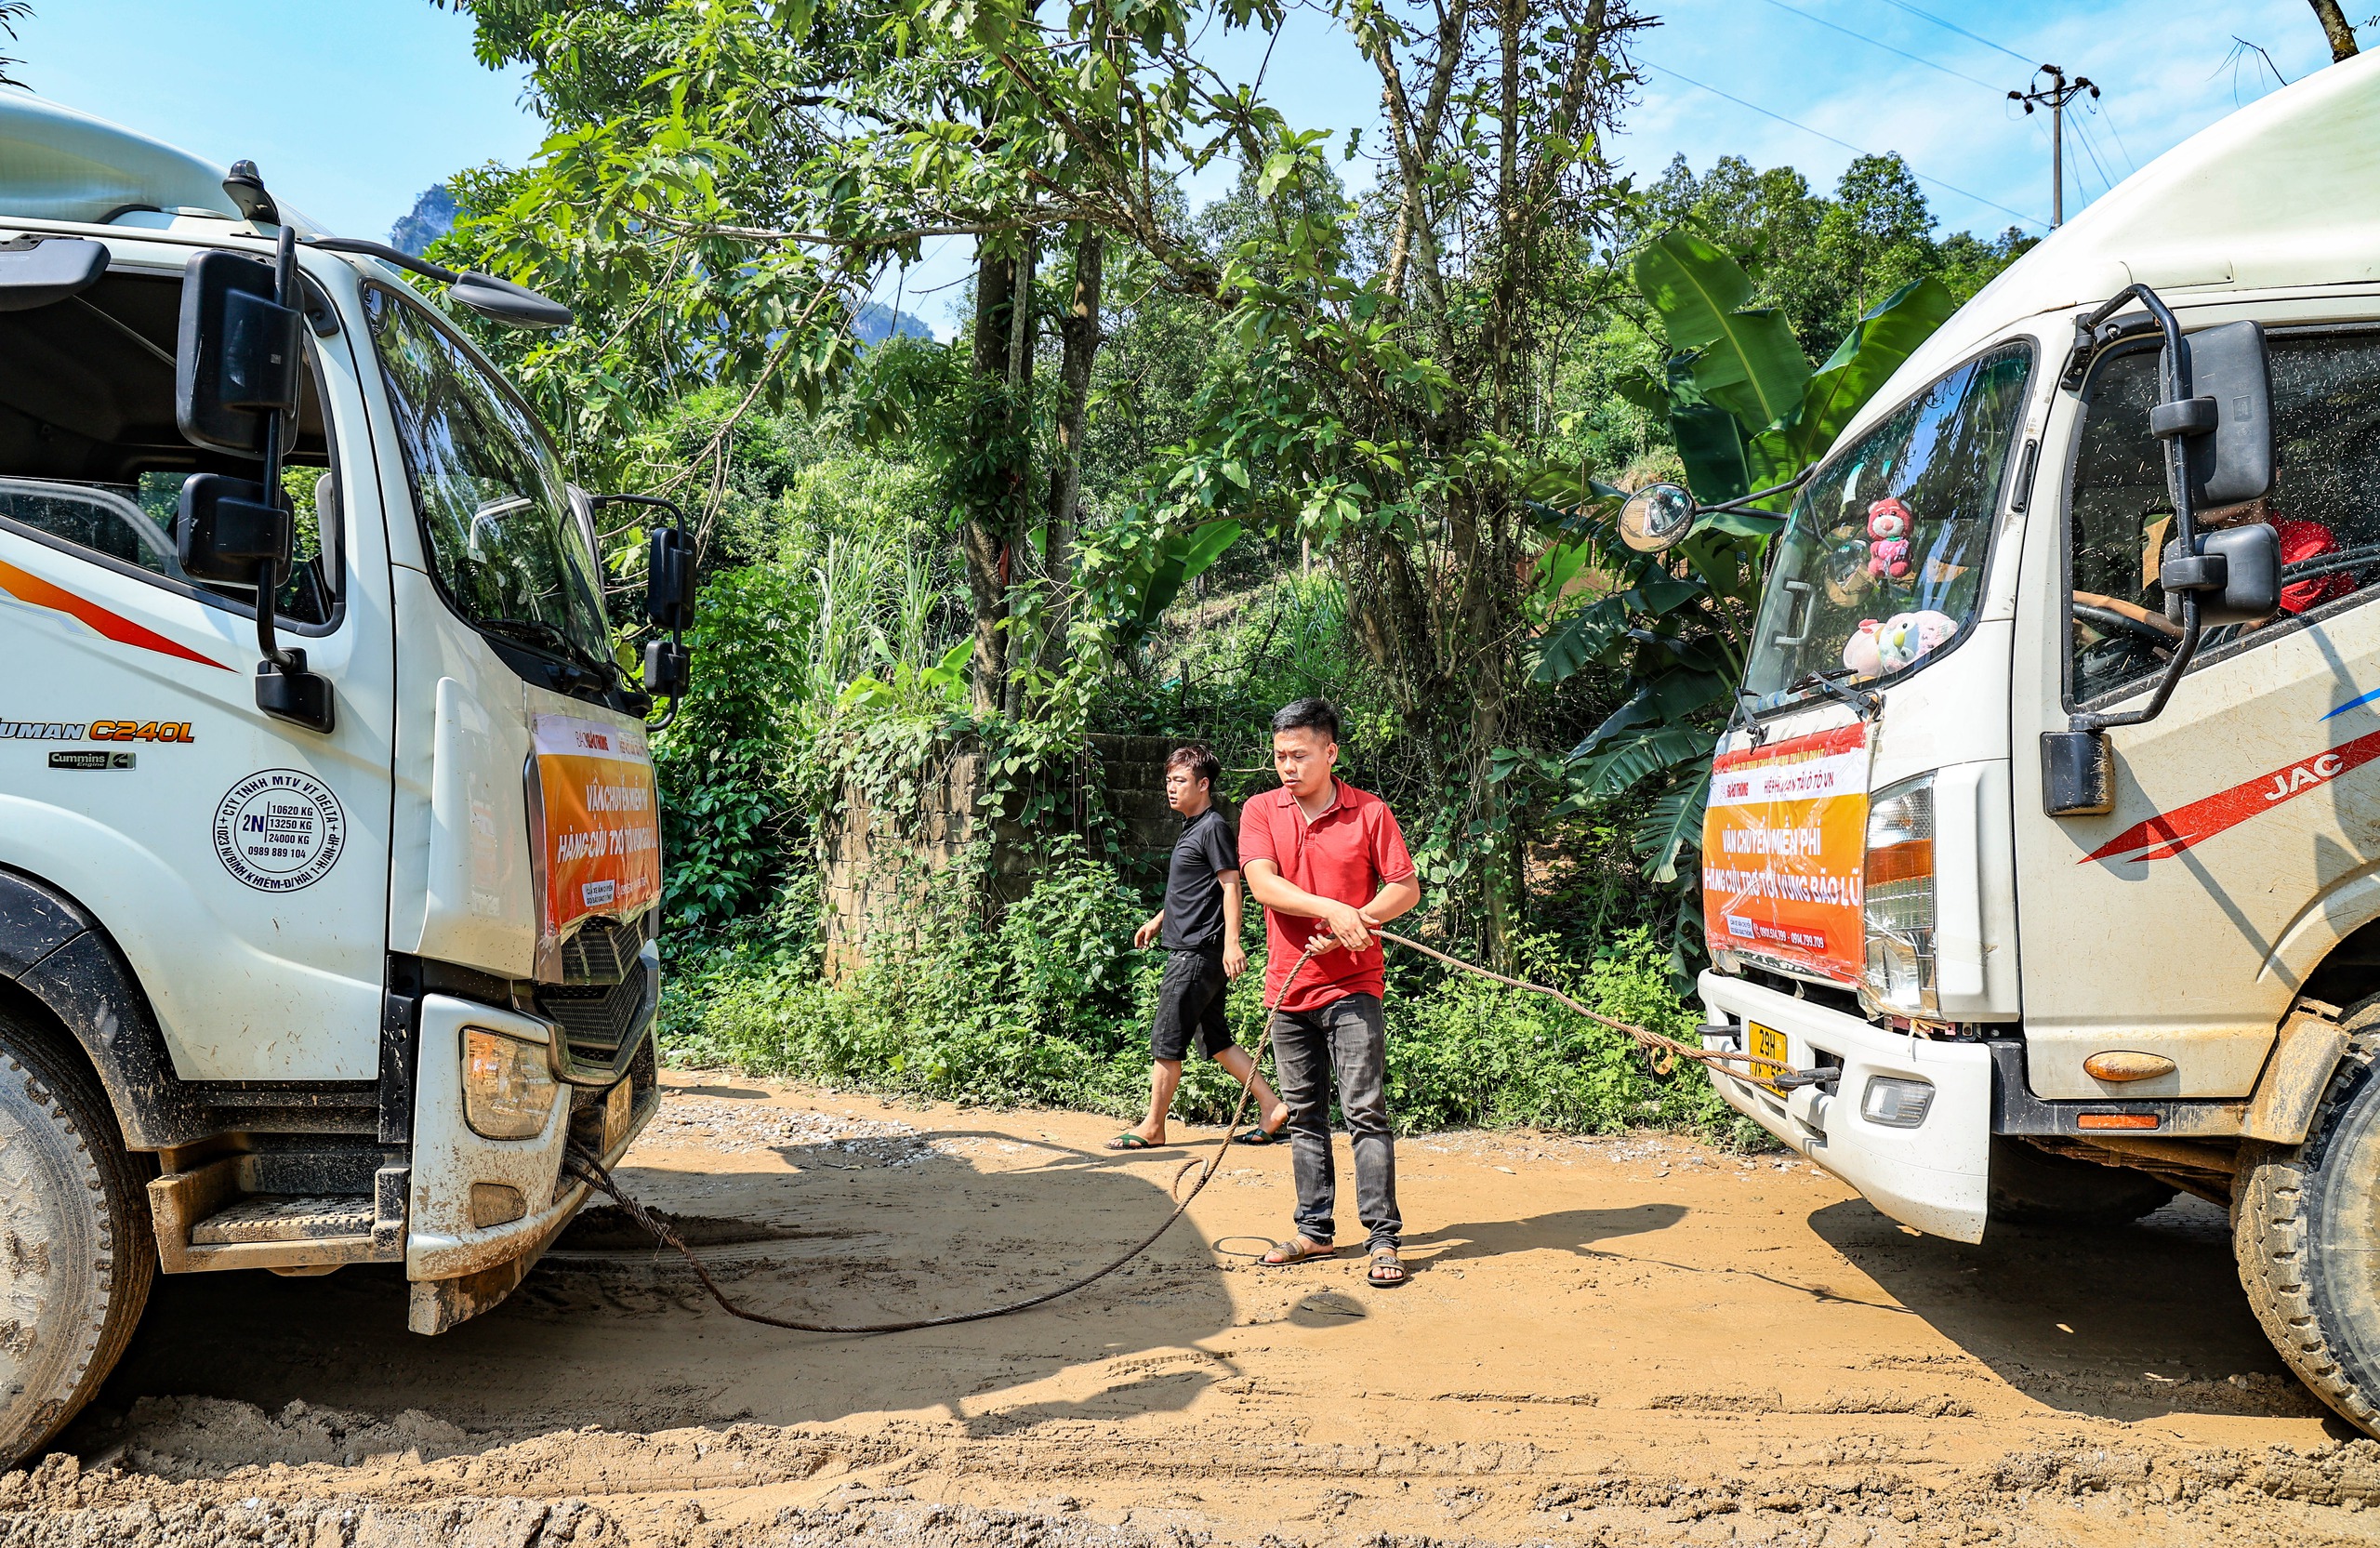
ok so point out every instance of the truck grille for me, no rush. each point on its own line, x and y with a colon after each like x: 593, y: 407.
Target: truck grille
x: 597, y: 1018
x: 600, y: 952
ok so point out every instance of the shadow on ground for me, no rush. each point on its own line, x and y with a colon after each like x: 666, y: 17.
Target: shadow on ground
x: 609, y: 1333
x: 2122, y: 1322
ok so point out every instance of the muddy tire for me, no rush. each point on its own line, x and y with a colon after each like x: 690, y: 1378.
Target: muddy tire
x: 76, y: 1251
x: 2032, y: 1187
x: 2308, y: 1240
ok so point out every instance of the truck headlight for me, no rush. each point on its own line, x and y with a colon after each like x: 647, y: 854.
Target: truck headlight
x: 1899, y: 896
x: 507, y: 1091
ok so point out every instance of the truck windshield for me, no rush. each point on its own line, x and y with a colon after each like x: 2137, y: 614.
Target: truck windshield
x: 495, y: 509
x: 1882, y: 562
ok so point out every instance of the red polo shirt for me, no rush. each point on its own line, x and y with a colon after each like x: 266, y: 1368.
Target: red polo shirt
x: 1348, y: 853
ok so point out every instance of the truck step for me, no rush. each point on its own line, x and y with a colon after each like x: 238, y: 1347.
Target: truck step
x: 283, y: 1217
x: 210, y: 1213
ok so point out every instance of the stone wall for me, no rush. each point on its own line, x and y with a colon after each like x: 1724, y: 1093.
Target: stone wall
x: 874, y: 868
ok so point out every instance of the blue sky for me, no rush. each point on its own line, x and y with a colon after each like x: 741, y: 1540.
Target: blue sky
x: 369, y: 101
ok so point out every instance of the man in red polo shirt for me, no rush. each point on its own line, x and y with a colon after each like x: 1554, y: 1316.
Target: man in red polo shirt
x: 1327, y: 861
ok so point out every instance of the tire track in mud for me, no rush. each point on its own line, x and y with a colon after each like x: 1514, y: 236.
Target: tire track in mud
x: 1533, y: 1384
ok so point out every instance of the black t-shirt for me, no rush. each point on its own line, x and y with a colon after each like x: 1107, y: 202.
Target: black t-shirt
x: 1193, y: 899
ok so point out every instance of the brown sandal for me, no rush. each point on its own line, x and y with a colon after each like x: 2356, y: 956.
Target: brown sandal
x: 1385, y: 1269
x: 1297, y: 1249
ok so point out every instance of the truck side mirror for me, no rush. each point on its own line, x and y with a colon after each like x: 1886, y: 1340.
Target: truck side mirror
x: 669, y: 669
x: 2237, y: 574
x: 2226, y: 424
x: 227, y: 531
x: 669, y: 580
x: 236, y: 363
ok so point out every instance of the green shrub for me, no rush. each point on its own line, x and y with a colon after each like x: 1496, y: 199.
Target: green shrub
x: 1051, y: 1006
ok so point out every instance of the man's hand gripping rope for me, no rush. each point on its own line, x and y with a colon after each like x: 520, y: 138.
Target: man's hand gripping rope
x: 589, y: 1168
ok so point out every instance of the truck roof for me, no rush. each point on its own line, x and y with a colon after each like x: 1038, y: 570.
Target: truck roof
x: 2283, y: 194
x: 56, y: 163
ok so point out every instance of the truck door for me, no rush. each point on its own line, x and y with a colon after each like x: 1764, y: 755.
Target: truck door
x: 239, y: 862
x: 2182, y: 923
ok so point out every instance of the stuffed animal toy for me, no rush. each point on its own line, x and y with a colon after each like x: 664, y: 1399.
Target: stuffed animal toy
x: 1889, y: 526
x: 1860, y: 652
x: 1906, y: 638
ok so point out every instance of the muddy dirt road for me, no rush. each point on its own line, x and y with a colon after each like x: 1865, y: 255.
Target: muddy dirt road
x: 1617, y: 1341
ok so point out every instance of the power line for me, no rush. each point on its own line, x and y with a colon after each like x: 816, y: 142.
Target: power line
x: 1876, y: 43
x: 1904, y: 5
x: 1796, y: 124
x: 2082, y: 139
x: 2109, y: 119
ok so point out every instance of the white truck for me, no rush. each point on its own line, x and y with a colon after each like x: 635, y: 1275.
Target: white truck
x: 2043, y: 857
x: 325, y: 927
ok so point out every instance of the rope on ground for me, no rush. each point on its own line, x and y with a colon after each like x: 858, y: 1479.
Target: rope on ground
x: 589, y: 1170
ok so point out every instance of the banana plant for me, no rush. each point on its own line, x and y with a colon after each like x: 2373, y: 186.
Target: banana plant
x: 1747, y: 411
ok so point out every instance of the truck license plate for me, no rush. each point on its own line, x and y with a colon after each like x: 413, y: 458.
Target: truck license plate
x: 1766, y: 1042
x: 619, y: 1106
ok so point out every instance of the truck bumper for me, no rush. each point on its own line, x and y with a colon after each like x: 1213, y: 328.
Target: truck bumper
x: 461, y: 1257
x: 1934, y: 1175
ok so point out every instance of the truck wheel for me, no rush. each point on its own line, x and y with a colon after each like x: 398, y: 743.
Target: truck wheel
x: 2308, y: 1238
x: 2032, y: 1187
x: 76, y: 1250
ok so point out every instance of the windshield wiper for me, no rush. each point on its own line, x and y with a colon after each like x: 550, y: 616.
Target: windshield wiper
x: 537, y: 631
x: 1747, y: 713
x: 1866, y: 703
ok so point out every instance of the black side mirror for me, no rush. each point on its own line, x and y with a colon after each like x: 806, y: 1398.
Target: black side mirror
x: 669, y: 580
x: 669, y: 668
x: 2237, y: 574
x: 499, y: 301
x: 227, y: 532
x: 2227, y: 422
x: 235, y: 390
x: 236, y: 365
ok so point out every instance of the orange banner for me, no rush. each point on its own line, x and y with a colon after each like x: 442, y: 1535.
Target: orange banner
x: 1784, y: 847
x: 602, y: 822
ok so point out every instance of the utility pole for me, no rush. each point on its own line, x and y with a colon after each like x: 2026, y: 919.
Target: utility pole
x: 2056, y: 95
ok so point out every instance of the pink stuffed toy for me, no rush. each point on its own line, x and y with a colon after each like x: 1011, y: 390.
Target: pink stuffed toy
x: 1862, y: 653
x: 1889, y: 526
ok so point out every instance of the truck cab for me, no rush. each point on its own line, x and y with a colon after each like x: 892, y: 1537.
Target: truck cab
x: 2042, y: 877
x: 330, y: 957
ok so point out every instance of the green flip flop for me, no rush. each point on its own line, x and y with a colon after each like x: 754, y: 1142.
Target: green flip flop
x: 1128, y: 1140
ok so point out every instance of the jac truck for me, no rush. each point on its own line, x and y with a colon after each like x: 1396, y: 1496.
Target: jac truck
x: 329, y: 847
x: 2042, y: 860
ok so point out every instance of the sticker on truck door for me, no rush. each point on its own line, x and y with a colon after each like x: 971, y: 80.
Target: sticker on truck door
x: 601, y: 822
x: 1784, y: 842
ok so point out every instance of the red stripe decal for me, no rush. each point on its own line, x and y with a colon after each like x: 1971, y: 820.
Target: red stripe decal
x: 2168, y: 833
x: 27, y: 587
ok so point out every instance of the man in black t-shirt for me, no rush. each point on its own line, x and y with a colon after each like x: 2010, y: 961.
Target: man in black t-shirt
x: 1200, y: 927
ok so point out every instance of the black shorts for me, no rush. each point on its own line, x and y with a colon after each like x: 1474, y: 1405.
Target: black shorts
x: 1189, y: 1001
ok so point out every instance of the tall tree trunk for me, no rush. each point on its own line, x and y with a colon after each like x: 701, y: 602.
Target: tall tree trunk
x: 1078, y: 345
x: 2335, y: 27
x: 984, y: 533
x: 1020, y: 476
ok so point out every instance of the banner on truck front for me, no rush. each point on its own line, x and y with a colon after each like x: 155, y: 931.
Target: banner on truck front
x: 1784, y: 844
x: 602, y: 821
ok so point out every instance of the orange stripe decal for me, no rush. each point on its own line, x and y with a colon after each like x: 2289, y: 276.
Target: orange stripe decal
x: 26, y: 586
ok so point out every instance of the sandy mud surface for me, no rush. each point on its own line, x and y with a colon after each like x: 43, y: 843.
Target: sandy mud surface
x: 1622, y: 1341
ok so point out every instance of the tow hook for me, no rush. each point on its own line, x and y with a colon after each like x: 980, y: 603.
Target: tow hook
x: 1812, y: 1094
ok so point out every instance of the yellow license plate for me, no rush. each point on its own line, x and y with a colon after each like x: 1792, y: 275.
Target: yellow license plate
x: 619, y: 1106
x: 1764, y: 1042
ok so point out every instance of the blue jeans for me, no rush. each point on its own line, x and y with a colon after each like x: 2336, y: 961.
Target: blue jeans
x: 1343, y: 1038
